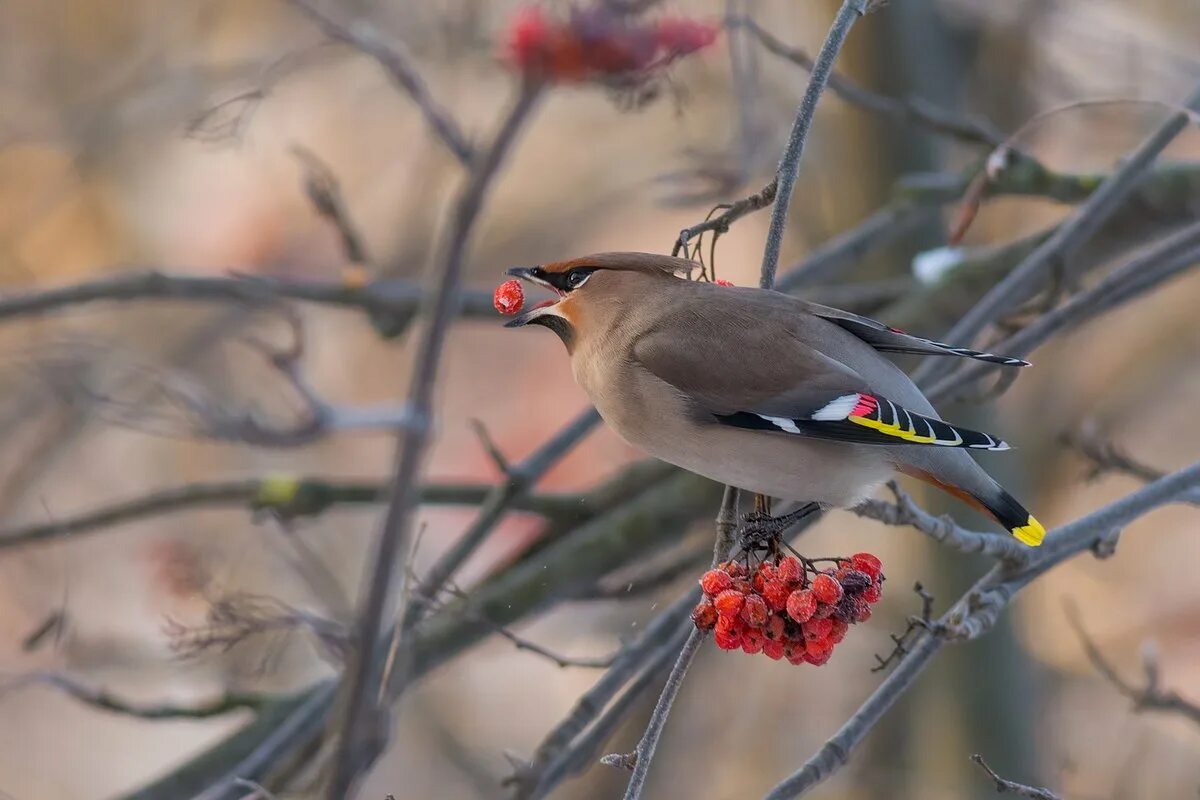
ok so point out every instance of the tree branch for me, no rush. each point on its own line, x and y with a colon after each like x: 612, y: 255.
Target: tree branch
x: 970, y: 129
x: 789, y: 165
x: 975, y: 613
x: 366, y: 39
x: 1055, y: 252
x: 1021, y: 790
x: 105, y: 701
x: 362, y: 724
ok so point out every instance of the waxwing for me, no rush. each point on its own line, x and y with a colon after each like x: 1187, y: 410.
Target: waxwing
x: 758, y: 389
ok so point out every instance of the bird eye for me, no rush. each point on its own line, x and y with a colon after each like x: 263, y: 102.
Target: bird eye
x: 577, y: 277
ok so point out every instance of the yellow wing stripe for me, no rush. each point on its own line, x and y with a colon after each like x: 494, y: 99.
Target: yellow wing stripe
x: 907, y: 434
x: 1031, y: 533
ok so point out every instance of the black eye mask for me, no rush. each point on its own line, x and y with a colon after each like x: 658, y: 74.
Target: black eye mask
x: 563, y: 281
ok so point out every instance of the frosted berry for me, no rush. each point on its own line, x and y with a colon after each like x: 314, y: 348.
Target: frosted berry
x: 854, y: 581
x: 774, y: 629
x: 773, y: 650
x: 862, y: 610
x: 824, y: 610
x: 776, y: 594
x: 801, y: 604
x: 837, y: 631
x: 735, y: 568
x: 865, y: 562
x: 755, y: 611
x: 704, y: 615
x: 826, y: 589
x: 790, y: 570
x: 752, y: 641
x: 715, y: 581
x: 872, y: 593
x: 727, y: 640
x: 817, y: 629
x: 729, y: 603
x: 509, y: 297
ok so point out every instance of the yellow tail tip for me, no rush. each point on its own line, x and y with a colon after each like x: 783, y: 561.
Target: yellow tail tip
x: 1031, y: 533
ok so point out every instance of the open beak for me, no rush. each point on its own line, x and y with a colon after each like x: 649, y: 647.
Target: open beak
x: 529, y: 274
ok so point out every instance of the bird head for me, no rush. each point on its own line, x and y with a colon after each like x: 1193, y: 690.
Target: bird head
x: 585, y: 285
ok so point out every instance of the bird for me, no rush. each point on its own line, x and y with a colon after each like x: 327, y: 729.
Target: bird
x: 758, y: 389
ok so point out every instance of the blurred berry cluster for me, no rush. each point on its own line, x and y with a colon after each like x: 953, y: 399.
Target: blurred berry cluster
x: 600, y: 44
x: 788, y: 608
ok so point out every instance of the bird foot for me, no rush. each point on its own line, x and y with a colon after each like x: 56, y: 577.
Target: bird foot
x: 762, y: 534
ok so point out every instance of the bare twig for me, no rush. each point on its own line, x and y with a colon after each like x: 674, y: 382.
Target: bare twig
x: 1056, y: 251
x: 517, y: 482
x: 973, y: 130
x: 726, y: 523
x: 1150, y: 696
x: 106, y: 701
x: 394, y: 301
x: 362, y: 723
x: 366, y: 39
x: 288, y: 497
x: 916, y: 625
x: 1147, y: 269
x: 325, y: 193
x: 789, y: 165
x: 1107, y: 457
x: 1021, y: 790
x: 975, y: 613
x: 943, y: 529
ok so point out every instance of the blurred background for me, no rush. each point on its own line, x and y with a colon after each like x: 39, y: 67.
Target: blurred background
x: 149, y: 134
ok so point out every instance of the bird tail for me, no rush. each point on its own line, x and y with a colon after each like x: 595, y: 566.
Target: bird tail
x: 994, y: 501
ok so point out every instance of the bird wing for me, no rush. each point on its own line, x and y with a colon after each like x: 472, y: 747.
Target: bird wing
x: 762, y: 377
x: 893, y: 340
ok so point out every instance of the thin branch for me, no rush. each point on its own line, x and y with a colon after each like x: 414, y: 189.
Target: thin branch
x: 643, y: 754
x: 943, y: 529
x: 582, y: 752
x: 394, y: 301
x: 970, y: 129
x: 1150, y: 696
x: 517, y: 483
x: 1021, y: 790
x: 789, y: 165
x: 1146, y: 270
x: 975, y: 613
x: 288, y: 497
x: 324, y: 191
x: 362, y: 721
x: 1055, y: 253
x: 106, y: 701
x: 363, y: 37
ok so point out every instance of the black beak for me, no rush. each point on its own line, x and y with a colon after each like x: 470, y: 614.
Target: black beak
x: 525, y: 273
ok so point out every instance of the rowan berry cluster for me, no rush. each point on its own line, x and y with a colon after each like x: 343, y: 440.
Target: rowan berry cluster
x: 788, y: 608
x: 600, y: 44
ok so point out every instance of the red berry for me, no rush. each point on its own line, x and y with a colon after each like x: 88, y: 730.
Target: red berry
x: 838, y: 631
x: 865, y: 562
x: 742, y: 585
x: 723, y: 282
x: 776, y: 594
x: 727, y: 640
x: 729, y: 603
x: 827, y: 589
x: 824, y: 610
x: 801, y: 604
x: 817, y: 629
x: 773, y: 650
x: 755, y: 611
x: 680, y: 36
x: 704, y: 615
x: 509, y: 297
x: 790, y: 570
x: 818, y: 647
x: 752, y: 641
x: 818, y: 659
x: 715, y: 581
x: 862, y: 610
x: 774, y: 629
x: 872, y: 593
x: 735, y: 568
